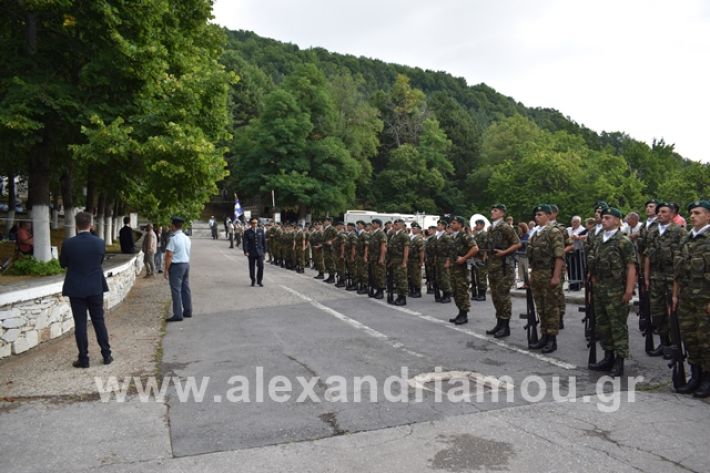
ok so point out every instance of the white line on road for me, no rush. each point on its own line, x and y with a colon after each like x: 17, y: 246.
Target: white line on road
x: 353, y: 323
x: 472, y: 333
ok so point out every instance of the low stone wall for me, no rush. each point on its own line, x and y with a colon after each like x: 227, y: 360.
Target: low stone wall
x: 35, y: 311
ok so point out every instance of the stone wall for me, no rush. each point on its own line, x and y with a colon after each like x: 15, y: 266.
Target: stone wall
x: 35, y: 311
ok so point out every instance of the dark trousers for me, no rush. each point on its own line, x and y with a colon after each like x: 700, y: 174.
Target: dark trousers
x: 180, y: 289
x: 259, y: 262
x: 95, y: 306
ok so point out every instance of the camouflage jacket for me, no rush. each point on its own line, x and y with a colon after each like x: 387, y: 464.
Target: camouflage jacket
x: 376, y: 240
x: 416, y: 245
x: 443, y: 246
x: 460, y: 244
x: 692, y: 268
x: 430, y: 248
x: 501, y: 237
x: 609, y: 260
x: 363, y: 241
x: 397, y: 243
x: 663, y: 250
x: 544, y: 247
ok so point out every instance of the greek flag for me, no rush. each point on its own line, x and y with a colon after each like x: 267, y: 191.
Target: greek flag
x: 238, y: 211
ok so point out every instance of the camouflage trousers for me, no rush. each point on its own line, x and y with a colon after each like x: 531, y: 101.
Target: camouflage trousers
x: 300, y: 257
x: 560, y: 294
x: 340, y: 267
x: 350, y: 269
x: 442, y: 276
x: 695, y: 326
x: 612, y: 314
x: 430, y: 269
x: 318, y: 259
x: 459, y: 285
x: 545, y: 300
x: 414, y: 272
x: 479, y: 277
x: 360, y: 270
x: 329, y: 259
x: 501, y: 281
x: 378, y: 274
x: 657, y: 290
x: 399, y: 274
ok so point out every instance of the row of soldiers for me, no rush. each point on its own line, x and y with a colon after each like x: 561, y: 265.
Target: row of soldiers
x: 372, y: 258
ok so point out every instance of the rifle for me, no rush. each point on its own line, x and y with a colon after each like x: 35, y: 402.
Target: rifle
x: 590, y: 321
x: 390, y: 283
x: 644, y: 313
x: 530, y: 315
x: 675, y: 349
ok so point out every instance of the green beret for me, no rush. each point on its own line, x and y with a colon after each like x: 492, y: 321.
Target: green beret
x: 600, y: 205
x: 415, y: 225
x: 699, y: 203
x: 650, y: 201
x: 554, y: 208
x: 500, y: 206
x: 360, y: 222
x: 328, y: 219
x: 443, y: 222
x: 542, y: 208
x: 459, y: 219
x: 663, y: 204
x: 613, y: 211
x: 350, y: 224
x: 399, y: 220
x: 377, y: 221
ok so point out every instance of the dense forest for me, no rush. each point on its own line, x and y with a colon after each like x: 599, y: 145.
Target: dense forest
x: 328, y: 132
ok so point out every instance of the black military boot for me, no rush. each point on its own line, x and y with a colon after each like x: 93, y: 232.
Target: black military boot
x: 351, y: 287
x: 704, y: 388
x: 481, y: 296
x: 363, y: 289
x: 693, y: 383
x: 603, y: 365
x: 504, y: 330
x: 330, y: 279
x: 429, y: 288
x: 462, y: 318
x: 379, y: 294
x: 494, y: 329
x: 562, y: 322
x: 659, y: 351
x: 446, y: 298
x: 618, y: 369
x: 474, y: 294
x: 401, y: 300
x: 341, y: 282
x: 320, y: 276
x: 437, y: 296
x: 551, y: 345
x: 417, y: 293
x: 540, y: 343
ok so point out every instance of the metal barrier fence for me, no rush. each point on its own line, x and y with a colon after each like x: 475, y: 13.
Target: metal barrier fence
x: 576, y: 269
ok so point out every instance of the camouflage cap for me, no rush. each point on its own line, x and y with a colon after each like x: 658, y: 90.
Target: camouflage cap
x: 499, y: 206
x: 542, y: 208
x: 704, y: 203
x: 613, y: 211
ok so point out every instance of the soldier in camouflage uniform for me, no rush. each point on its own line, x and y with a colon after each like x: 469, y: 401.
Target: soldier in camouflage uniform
x: 398, y: 256
x: 691, y: 295
x: 593, y: 236
x: 361, y: 247
x: 462, y: 248
x: 662, y: 248
x: 545, y: 253
x: 340, y: 255
x: 288, y: 245
x: 479, y: 270
x: 503, y: 242
x: 275, y: 244
x: 568, y: 244
x: 416, y: 261
x: 316, y: 242
x: 269, y: 241
x: 430, y: 262
x: 377, y: 254
x: 612, y: 267
x: 330, y: 234
x: 443, y: 241
x: 350, y: 255
x: 300, y: 249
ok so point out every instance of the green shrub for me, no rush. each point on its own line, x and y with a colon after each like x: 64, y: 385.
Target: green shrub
x: 27, y: 265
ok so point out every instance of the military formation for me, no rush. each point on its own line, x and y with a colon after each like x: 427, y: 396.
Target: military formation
x: 672, y: 265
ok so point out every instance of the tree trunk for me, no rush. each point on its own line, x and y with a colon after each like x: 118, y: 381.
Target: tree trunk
x: 39, y: 194
x: 109, y: 224
x: 91, y: 193
x: 55, y: 210
x: 100, y: 216
x: 68, y: 202
x: 11, y: 203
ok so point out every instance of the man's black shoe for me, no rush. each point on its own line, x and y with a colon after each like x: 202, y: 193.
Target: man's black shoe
x: 187, y: 315
x: 319, y: 276
x: 379, y: 294
x: 174, y: 319
x: 261, y: 284
x: 108, y: 360
x: 252, y: 284
x: 401, y: 300
x: 80, y: 364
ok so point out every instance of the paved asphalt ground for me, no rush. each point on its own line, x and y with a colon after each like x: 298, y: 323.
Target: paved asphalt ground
x: 308, y: 333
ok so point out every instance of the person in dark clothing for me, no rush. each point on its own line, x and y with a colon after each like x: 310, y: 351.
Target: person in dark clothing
x: 85, y: 284
x: 125, y: 236
x: 254, y: 248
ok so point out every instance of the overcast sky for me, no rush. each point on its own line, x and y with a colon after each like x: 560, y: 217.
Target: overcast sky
x: 638, y: 66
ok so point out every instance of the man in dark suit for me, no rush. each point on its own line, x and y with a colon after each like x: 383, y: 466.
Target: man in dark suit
x: 254, y: 246
x: 84, y: 284
x: 125, y: 236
